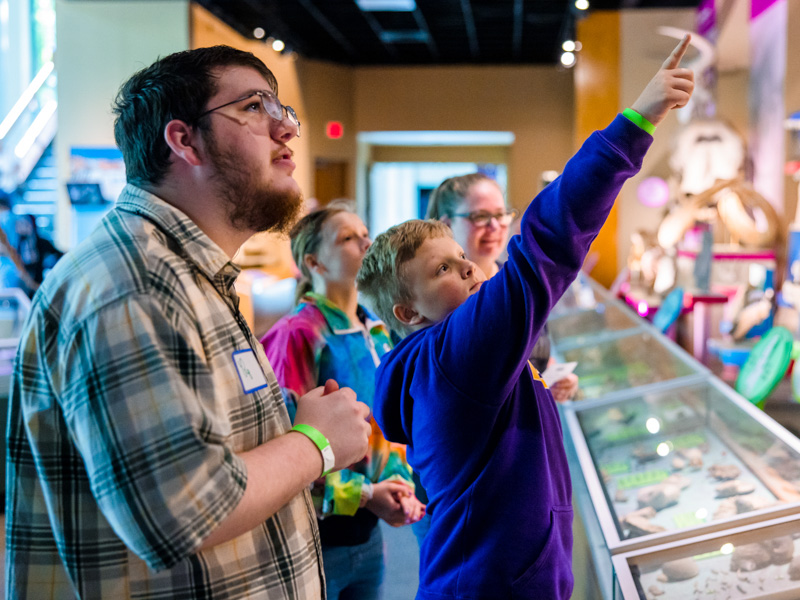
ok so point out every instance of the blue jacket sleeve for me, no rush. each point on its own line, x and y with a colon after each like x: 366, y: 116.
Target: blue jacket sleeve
x: 488, y: 339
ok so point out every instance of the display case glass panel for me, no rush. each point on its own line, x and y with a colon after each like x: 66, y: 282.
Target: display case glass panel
x: 581, y: 326
x: 582, y: 294
x: 684, y: 458
x: 625, y: 362
x: 755, y: 562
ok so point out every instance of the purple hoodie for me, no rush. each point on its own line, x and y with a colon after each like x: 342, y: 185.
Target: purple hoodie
x: 481, y: 427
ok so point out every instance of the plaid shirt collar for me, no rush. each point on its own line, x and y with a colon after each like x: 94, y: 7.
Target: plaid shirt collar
x: 197, y: 247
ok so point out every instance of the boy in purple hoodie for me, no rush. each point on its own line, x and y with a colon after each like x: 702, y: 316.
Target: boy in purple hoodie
x: 481, y: 427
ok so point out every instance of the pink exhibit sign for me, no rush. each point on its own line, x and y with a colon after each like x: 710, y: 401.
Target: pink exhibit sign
x: 759, y: 6
x: 706, y: 17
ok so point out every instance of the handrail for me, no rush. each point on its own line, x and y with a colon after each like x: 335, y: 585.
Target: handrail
x: 34, y: 86
x: 36, y: 128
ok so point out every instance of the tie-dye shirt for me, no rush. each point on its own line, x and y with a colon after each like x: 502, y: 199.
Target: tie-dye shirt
x: 317, y: 342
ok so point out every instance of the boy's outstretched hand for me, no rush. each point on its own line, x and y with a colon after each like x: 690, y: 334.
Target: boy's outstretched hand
x: 671, y: 87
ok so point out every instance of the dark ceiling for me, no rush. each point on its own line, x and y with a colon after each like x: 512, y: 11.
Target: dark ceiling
x: 435, y: 32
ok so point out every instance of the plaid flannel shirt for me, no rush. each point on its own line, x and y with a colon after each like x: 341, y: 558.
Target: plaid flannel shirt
x: 126, y: 416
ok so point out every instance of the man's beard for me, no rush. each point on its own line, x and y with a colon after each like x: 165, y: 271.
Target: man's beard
x: 249, y: 204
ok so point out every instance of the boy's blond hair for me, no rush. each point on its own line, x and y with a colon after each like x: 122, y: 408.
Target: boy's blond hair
x: 382, y: 277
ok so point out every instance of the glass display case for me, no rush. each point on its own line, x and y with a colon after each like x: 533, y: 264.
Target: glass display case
x: 760, y: 561
x: 679, y: 460
x: 579, y: 326
x: 663, y: 454
x: 620, y: 363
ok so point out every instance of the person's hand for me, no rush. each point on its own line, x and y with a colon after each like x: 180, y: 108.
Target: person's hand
x: 413, y: 508
x: 386, y: 504
x: 564, y: 389
x: 671, y: 87
x: 339, y: 417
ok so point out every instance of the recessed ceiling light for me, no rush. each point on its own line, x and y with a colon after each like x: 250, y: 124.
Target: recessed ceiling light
x: 387, y: 5
x: 259, y: 33
x: 581, y: 4
x: 278, y: 45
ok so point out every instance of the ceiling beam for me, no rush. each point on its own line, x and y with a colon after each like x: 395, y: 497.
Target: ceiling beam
x: 378, y: 31
x: 423, y: 26
x: 469, y: 24
x: 516, y: 38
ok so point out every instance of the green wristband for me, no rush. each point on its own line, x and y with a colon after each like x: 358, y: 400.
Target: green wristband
x: 321, y: 442
x: 639, y: 120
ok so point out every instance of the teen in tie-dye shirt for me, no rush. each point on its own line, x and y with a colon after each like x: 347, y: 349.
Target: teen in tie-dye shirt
x: 330, y: 336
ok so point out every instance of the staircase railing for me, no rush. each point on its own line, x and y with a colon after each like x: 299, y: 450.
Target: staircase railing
x: 28, y: 128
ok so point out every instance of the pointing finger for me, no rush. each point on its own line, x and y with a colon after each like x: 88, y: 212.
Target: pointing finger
x: 674, y: 59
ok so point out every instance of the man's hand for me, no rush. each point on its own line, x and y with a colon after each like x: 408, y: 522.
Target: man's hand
x: 339, y: 417
x: 386, y: 502
x: 671, y: 87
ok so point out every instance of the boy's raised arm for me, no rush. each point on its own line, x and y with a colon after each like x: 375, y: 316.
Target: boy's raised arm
x: 557, y: 230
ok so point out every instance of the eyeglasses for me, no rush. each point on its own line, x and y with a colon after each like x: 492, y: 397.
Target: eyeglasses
x: 481, y: 218
x: 269, y: 102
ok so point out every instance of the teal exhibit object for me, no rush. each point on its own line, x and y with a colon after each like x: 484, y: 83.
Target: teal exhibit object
x: 669, y: 310
x: 766, y: 365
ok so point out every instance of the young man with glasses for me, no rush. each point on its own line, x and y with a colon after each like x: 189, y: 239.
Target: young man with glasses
x: 150, y: 453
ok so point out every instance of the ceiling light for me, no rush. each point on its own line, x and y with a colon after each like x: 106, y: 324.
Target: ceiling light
x: 568, y: 46
x: 581, y: 4
x: 568, y: 59
x: 387, y: 5
x: 259, y: 33
x: 278, y: 45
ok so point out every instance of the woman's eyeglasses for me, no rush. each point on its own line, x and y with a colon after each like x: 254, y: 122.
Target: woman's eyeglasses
x: 481, y: 218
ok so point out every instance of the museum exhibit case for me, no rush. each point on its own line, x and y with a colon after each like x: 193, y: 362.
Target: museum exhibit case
x: 756, y: 561
x: 660, y: 450
x: 615, y: 349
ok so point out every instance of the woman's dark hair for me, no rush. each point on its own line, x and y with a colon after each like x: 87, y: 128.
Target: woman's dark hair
x: 177, y: 86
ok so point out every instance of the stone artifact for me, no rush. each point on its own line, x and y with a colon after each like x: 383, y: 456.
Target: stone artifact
x: 694, y: 456
x: 724, y: 472
x: 620, y: 496
x: 680, y: 570
x: 794, y: 569
x: 659, y: 496
x: 750, y: 557
x: 747, y: 503
x: 655, y: 590
x: 734, y: 488
x: 638, y: 526
x: 781, y: 550
x: 645, y: 454
x: 678, y: 463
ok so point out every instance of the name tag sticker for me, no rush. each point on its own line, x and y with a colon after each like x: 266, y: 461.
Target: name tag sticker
x: 250, y: 373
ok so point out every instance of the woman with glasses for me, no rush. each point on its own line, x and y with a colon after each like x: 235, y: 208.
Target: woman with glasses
x: 330, y: 335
